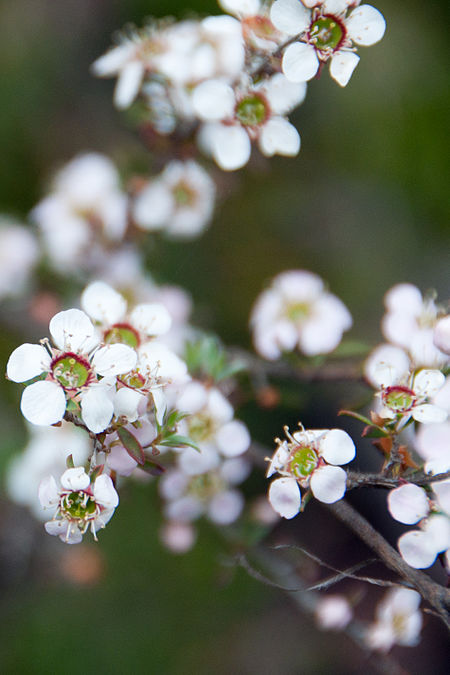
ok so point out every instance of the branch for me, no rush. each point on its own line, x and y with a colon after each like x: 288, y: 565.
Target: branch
x: 356, y: 479
x: 437, y: 596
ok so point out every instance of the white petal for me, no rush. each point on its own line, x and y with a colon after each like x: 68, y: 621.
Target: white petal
x: 428, y: 382
x: 404, y: 298
x: 417, y: 549
x: 225, y: 507
x: 300, y: 62
x: 328, y: 483
x: 429, y: 414
x: 112, y: 61
x: 213, y: 100
x: 408, y: 504
x: 342, y: 66
x: 115, y: 359
x: 241, y: 7
x: 283, y: 95
x: 104, y: 492
x: 153, y: 206
x: 231, y: 147
x: 336, y: 447
x: 27, y: 361
x: 128, y: 84
x: 442, y: 492
x: 96, y: 409
x: 437, y: 528
x: 279, y: 459
x: 442, y: 335
x: 386, y: 365
x: 58, y: 528
x: 279, y: 137
x: 290, y: 16
x: 43, y: 403
x: 48, y: 492
x: 126, y: 403
x: 233, y: 438
x: 365, y: 25
x: 102, y: 303
x: 284, y: 497
x: 151, y: 319
x: 75, y: 479
x: 73, y: 330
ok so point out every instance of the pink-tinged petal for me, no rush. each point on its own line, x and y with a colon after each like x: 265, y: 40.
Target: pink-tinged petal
x: 57, y: 527
x: 328, y: 484
x: 441, y: 336
x: 151, y: 319
x: 429, y: 414
x: 225, y: 507
x: 178, y: 537
x: 417, y: 549
x: 213, y: 100
x: 96, y: 409
x: 27, y: 361
x: 119, y: 460
x: 300, y: 62
x: 290, y: 16
x: 442, y: 492
x: 279, y: 137
x: 278, y: 460
x: 408, y: 504
x: 185, y: 509
x: 48, y: 493
x: 115, y: 359
x: 365, y: 25
x: 105, y: 493
x: 72, y: 330
x: 284, y: 497
x: 336, y: 447
x: 75, y: 479
x: 102, y: 303
x: 233, y: 439
x: 428, y: 382
x: 437, y: 528
x: 342, y: 66
x: 231, y: 147
x: 128, y: 84
x: 43, y: 403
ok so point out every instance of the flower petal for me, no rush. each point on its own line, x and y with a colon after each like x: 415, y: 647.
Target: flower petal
x: 96, y: 409
x: 427, y: 413
x: 48, y: 492
x: 300, y: 62
x: 233, y: 438
x: 104, y: 492
x: 342, y: 66
x: 336, y: 447
x: 73, y: 330
x: 417, y: 549
x: 115, y: 359
x: 43, y: 403
x: 408, y: 504
x: 365, y: 25
x: 102, y: 303
x: 328, y: 484
x: 290, y: 16
x: 231, y: 147
x: 128, y: 84
x: 284, y: 497
x: 75, y: 479
x: 279, y: 137
x: 213, y: 100
x: 27, y: 361
x: 151, y: 319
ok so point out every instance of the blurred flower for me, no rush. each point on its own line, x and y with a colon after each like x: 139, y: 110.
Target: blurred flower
x: 333, y: 612
x: 19, y: 253
x: 398, y: 621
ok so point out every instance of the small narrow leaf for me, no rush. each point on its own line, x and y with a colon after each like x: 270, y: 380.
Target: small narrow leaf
x: 175, y: 441
x: 69, y: 462
x: 131, y: 445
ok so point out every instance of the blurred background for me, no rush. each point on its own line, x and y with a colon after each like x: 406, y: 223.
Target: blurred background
x: 365, y: 205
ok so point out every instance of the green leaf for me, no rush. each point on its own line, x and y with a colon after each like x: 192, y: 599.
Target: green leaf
x: 357, y: 416
x: 175, y: 441
x: 131, y: 445
x: 96, y: 471
x: 153, y: 468
x: 373, y: 431
x: 69, y: 462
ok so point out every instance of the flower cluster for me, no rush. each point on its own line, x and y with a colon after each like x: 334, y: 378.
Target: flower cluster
x: 309, y: 460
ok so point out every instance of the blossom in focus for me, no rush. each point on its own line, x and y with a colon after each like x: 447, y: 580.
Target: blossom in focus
x: 19, y: 253
x: 79, y: 504
x: 86, y: 201
x: 327, y: 31
x: 297, y: 311
x: 78, y: 368
x: 398, y: 621
x: 258, y: 30
x: 179, y: 201
x: 234, y: 117
x: 308, y: 460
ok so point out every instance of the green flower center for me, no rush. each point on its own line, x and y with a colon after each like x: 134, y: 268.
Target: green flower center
x: 298, y: 311
x: 201, y: 427
x: 326, y: 33
x: 133, y: 379
x: 252, y: 111
x: 303, y: 462
x: 71, y: 370
x: 205, y: 486
x: 123, y: 333
x: 399, y: 399
x: 78, y: 506
x: 183, y: 194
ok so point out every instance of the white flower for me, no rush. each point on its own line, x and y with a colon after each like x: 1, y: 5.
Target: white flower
x: 309, y: 461
x: 327, y: 31
x: 235, y: 117
x: 333, y: 612
x: 432, y: 442
x: 18, y: 255
x: 79, y: 505
x: 398, y: 621
x: 441, y: 335
x: 403, y: 400
x: 297, y: 311
x: 419, y: 548
x: 180, y: 201
x: 72, y: 368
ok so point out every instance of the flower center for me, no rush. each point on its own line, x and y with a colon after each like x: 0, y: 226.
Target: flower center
x: 298, y: 311
x: 303, y: 461
x: 78, y: 506
x: 326, y: 33
x: 123, y: 333
x: 71, y: 370
x: 252, y: 110
x: 201, y: 427
x: 183, y: 194
x: 205, y: 486
x: 133, y: 379
x: 398, y: 399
